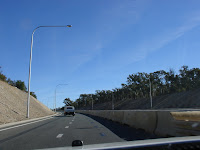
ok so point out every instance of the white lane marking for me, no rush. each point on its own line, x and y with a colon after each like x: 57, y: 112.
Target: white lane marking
x: 70, y: 123
x: 59, y: 135
x: 67, y: 127
x: 24, y: 124
x: 102, y: 134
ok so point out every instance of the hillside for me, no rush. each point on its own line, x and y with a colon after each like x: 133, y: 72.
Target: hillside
x: 188, y: 99
x: 13, y: 104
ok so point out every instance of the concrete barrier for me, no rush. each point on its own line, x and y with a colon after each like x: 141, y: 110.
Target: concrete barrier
x: 162, y: 123
x: 145, y: 120
x: 137, y: 119
x: 165, y: 124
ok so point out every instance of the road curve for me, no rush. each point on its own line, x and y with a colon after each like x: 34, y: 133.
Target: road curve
x: 60, y: 131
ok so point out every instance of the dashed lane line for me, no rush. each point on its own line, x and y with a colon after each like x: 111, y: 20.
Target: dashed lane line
x: 59, y: 135
x: 102, y: 134
x: 67, y: 127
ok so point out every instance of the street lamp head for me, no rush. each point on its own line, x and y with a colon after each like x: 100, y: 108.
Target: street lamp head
x: 69, y: 26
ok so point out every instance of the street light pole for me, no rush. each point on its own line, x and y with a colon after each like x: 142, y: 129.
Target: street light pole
x: 55, y: 94
x: 48, y: 103
x: 92, y: 103
x: 113, y: 106
x: 150, y: 92
x: 29, y: 77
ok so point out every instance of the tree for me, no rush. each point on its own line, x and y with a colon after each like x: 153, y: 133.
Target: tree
x: 138, y: 85
x: 21, y: 85
x: 9, y: 81
x: 184, y: 78
x: 194, y: 75
x: 2, y: 76
x: 84, y: 99
x: 33, y: 94
x: 68, y: 101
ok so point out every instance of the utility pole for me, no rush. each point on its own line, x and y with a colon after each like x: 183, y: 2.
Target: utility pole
x: 48, y: 103
x: 113, y: 106
x: 92, y: 103
x: 55, y: 95
x: 150, y: 93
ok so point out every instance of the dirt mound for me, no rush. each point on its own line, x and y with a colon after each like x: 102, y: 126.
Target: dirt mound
x: 13, y: 104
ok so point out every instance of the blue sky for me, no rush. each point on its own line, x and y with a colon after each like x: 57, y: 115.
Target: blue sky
x: 108, y: 41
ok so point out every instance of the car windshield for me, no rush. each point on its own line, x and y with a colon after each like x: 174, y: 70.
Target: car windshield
x: 99, y: 72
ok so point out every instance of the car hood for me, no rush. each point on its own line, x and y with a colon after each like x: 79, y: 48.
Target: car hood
x: 133, y: 144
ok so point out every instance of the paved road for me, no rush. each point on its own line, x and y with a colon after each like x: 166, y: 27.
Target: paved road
x: 60, y: 131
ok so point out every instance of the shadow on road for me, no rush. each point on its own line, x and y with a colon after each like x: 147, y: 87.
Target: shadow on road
x: 123, y: 131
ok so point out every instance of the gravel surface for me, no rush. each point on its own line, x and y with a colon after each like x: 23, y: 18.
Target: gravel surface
x: 13, y: 102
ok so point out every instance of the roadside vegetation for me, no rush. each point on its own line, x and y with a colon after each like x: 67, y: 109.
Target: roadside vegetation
x: 138, y: 86
x: 19, y: 84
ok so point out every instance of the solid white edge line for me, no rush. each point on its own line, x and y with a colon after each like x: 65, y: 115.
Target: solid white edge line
x: 24, y: 124
x: 59, y: 135
x: 26, y: 121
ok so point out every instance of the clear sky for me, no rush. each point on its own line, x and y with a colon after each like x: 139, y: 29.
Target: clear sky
x: 109, y: 40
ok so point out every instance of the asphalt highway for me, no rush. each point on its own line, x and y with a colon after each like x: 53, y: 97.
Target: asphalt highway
x: 60, y: 131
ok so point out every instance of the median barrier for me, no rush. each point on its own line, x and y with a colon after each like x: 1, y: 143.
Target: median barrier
x: 162, y: 123
x: 117, y: 116
x: 145, y: 120
x: 165, y: 124
x: 138, y: 119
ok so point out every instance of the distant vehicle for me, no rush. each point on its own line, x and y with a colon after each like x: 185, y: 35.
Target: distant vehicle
x: 69, y: 110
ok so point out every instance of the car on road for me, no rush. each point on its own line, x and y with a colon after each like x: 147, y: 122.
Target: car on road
x: 69, y: 110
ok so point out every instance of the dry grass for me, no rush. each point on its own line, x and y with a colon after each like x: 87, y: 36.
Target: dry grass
x: 187, y: 116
